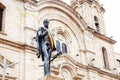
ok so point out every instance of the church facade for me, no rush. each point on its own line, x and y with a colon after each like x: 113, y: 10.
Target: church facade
x: 78, y: 31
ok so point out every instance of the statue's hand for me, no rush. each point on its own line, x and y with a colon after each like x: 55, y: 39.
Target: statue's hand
x: 39, y: 33
x: 38, y: 55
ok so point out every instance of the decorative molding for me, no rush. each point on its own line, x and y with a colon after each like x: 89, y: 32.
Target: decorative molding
x: 11, y: 43
x: 36, y: 1
x: 37, y: 7
x: 28, y: 28
x: 104, y: 37
x: 74, y: 4
x: 78, y: 76
x: 86, y: 51
x: 103, y: 72
x: 55, y: 70
x: 8, y: 77
x: 88, y: 67
x: 28, y: 47
x: 101, y: 36
x: 53, y: 78
x: 3, y: 33
x: 17, y: 45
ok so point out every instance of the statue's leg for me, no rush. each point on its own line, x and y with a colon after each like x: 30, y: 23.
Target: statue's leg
x: 49, y: 52
x: 46, y: 63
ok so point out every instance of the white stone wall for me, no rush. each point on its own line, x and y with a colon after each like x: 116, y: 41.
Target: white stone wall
x: 88, y: 11
x: 22, y: 19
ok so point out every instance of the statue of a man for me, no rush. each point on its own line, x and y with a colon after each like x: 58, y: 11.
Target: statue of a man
x: 45, y: 46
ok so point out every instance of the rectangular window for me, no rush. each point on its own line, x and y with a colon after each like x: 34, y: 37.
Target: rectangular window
x: 1, y: 16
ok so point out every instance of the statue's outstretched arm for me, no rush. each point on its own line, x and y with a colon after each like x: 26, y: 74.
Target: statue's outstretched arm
x: 44, y: 33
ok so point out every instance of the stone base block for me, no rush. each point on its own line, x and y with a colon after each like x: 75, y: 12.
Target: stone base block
x: 51, y: 78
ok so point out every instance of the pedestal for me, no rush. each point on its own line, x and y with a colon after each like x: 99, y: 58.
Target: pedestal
x: 53, y: 78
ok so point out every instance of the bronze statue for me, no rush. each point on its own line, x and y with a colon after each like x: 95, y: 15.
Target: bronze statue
x: 45, y: 46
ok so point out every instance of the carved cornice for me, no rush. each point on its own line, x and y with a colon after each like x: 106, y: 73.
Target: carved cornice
x: 11, y: 43
x: 78, y: 76
x: 73, y: 61
x: 87, y: 67
x: 102, y: 72
x: 17, y: 45
x: 104, y: 37
x: 55, y: 70
x: 53, y: 78
x: 9, y: 77
x: 101, y: 36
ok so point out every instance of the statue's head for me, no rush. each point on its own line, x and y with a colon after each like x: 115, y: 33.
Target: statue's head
x: 46, y: 23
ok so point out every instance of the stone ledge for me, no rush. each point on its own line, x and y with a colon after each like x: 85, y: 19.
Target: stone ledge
x: 51, y: 78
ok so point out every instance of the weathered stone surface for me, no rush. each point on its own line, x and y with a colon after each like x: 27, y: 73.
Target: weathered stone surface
x: 72, y: 25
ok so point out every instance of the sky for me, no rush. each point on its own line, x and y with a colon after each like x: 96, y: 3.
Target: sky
x: 111, y: 18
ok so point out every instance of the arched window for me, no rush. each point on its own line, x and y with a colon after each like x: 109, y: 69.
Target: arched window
x: 58, y: 48
x: 105, y: 58
x: 96, y: 23
x: 1, y: 14
x: 2, y: 7
x: 61, y: 47
x: 64, y: 48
